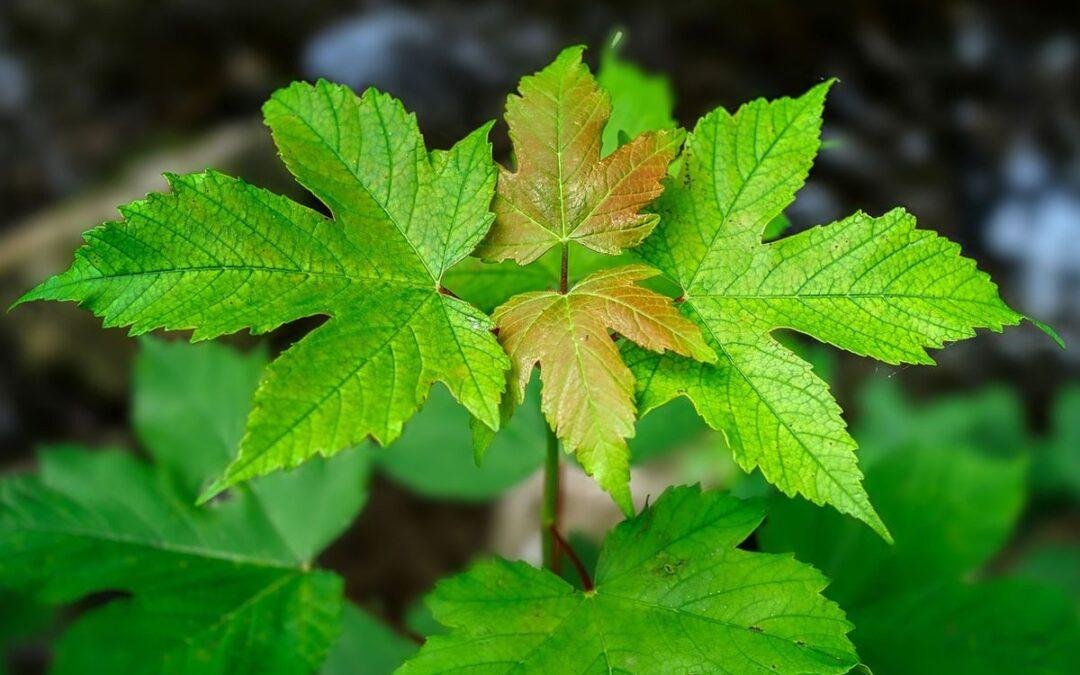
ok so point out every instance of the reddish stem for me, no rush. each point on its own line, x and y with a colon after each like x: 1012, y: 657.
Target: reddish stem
x: 586, y: 582
x: 564, y: 274
x: 446, y: 291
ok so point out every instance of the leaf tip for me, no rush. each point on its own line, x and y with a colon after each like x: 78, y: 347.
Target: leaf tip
x: 571, y: 54
x: 216, y: 488
x: 485, y: 128
x: 1048, y: 330
x: 32, y: 295
x: 878, y: 525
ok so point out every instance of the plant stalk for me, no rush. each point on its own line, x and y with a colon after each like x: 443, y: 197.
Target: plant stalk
x: 564, y: 275
x: 583, y: 574
x: 549, y: 510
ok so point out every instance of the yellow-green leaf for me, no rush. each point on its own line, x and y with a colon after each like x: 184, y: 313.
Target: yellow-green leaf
x: 217, y: 255
x: 875, y: 286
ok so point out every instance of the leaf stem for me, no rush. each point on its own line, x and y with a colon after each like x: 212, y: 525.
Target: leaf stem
x: 549, y: 510
x: 564, y: 274
x: 564, y: 546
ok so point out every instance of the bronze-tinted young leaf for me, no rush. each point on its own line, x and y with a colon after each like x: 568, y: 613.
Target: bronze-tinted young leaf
x: 562, y: 191
x: 588, y: 392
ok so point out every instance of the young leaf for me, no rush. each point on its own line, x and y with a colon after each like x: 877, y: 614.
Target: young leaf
x: 874, y: 286
x: 672, y: 594
x: 217, y: 255
x: 588, y: 393
x: 952, y: 509
x: 562, y: 191
x: 488, y: 285
x: 640, y: 102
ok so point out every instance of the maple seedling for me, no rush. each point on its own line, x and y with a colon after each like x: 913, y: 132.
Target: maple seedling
x: 605, y: 195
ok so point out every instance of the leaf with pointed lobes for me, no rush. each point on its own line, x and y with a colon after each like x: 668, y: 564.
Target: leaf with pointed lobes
x: 673, y: 594
x: 875, y: 286
x: 588, y: 392
x: 562, y: 191
x: 217, y: 255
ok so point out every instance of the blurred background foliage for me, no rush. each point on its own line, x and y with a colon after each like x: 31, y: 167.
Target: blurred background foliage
x: 967, y: 113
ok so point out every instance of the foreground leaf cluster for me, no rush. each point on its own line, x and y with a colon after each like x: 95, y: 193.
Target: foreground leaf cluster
x: 230, y: 588
x: 217, y: 255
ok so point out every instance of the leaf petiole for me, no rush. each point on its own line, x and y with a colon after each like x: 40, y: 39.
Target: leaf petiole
x: 549, y: 510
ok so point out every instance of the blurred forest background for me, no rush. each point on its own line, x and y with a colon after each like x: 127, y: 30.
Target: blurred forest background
x: 967, y: 114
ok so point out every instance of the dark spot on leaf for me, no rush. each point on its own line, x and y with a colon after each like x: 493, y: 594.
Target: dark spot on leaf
x: 757, y: 629
x: 672, y: 568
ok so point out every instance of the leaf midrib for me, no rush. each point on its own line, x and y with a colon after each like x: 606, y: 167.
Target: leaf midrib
x: 720, y: 227
x: 242, y: 461
x: 162, y: 546
x: 351, y: 278
x: 337, y: 155
x: 783, y: 422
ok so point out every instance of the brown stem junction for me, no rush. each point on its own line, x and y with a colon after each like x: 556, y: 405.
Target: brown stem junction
x: 586, y: 581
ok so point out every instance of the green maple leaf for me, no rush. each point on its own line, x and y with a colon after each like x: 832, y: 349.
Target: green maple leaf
x: 217, y: 255
x: 952, y: 510
x: 875, y: 286
x: 224, y: 589
x: 672, y: 594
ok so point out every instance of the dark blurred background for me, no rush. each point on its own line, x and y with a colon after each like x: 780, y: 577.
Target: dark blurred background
x: 966, y: 113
